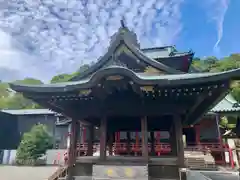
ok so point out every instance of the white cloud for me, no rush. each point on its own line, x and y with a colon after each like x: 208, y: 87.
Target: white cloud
x: 59, y: 35
x: 217, y: 10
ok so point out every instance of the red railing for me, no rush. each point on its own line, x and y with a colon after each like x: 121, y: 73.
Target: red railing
x: 159, y: 147
x: 162, y: 148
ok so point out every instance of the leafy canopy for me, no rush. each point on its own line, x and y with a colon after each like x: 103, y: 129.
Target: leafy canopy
x: 33, y: 145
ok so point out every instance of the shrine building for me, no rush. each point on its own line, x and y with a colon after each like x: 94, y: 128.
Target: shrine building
x: 131, y: 89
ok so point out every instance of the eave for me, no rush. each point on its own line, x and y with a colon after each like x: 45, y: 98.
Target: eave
x: 140, y: 79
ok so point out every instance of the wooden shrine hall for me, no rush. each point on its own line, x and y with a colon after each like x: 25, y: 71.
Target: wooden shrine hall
x: 131, y: 89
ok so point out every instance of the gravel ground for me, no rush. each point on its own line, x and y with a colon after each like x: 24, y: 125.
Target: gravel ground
x: 218, y: 175
x: 26, y: 173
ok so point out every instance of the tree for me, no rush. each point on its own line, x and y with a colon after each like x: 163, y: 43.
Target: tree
x: 31, y: 81
x: 212, y: 64
x: 11, y: 100
x: 61, y: 78
x: 66, y: 77
x: 33, y: 145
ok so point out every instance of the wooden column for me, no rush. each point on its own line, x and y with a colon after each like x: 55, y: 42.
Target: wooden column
x: 90, y: 140
x: 110, y: 143
x: 152, y: 143
x: 197, y: 134
x: 144, y: 137
x: 103, y: 133
x: 75, y: 129
x: 128, y: 142
x: 179, y: 140
x: 173, y: 137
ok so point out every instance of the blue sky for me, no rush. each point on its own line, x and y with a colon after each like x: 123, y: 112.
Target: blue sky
x: 200, y: 31
x: 42, y: 38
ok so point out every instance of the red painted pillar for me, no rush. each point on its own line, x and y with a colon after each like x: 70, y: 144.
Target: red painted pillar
x: 220, y: 139
x: 231, y: 157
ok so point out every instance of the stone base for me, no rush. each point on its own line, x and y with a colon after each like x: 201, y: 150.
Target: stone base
x: 121, y: 172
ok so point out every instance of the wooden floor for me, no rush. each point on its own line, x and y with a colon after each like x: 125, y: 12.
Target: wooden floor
x: 128, y: 159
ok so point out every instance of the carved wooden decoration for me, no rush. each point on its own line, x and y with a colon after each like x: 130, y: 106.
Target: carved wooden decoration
x: 147, y: 88
x: 152, y: 71
x: 114, y: 78
x: 85, y: 92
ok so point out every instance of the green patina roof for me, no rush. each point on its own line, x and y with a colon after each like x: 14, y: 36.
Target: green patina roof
x: 228, y: 104
x: 139, y: 78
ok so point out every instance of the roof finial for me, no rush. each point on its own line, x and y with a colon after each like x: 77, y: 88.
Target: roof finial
x: 122, y: 22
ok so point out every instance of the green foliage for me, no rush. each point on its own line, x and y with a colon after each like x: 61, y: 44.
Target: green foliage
x: 33, y: 145
x: 11, y: 100
x: 212, y: 64
x: 236, y: 90
x: 61, y: 78
x: 31, y: 81
x: 66, y: 77
x: 228, y: 122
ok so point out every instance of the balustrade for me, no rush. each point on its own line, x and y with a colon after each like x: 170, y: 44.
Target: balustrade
x: 160, y: 148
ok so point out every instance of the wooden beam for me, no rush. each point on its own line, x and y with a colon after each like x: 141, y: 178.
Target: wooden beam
x: 199, y: 100
x: 121, y: 109
x: 211, y: 99
x: 144, y: 132
x: 103, y: 133
x: 205, y: 107
x: 58, y: 109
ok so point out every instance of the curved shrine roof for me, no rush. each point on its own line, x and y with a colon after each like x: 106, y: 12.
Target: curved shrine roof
x: 154, y: 57
x: 138, y: 78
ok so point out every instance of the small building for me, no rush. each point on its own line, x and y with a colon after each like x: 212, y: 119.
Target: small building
x: 14, y: 123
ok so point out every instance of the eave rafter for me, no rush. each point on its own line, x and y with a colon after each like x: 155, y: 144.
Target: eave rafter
x: 208, y: 102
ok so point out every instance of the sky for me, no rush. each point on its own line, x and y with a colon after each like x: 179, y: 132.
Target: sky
x: 42, y: 38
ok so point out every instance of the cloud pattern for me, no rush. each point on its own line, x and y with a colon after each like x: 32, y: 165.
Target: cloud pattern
x: 60, y: 35
x: 42, y: 38
x: 217, y: 10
